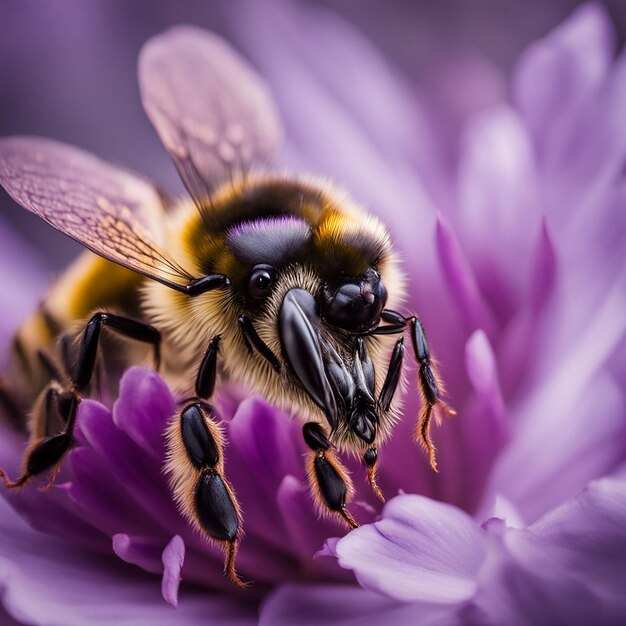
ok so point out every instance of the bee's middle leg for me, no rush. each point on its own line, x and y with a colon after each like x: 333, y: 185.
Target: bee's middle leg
x: 195, y: 462
x: 48, y: 446
x: 385, y: 398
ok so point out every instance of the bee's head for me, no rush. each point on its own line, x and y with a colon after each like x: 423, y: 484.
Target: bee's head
x: 339, y: 259
x: 310, y: 274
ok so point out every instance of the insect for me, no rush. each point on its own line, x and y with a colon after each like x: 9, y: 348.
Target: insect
x: 280, y: 282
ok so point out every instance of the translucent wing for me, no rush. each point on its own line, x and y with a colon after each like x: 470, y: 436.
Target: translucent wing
x: 108, y: 210
x: 213, y: 113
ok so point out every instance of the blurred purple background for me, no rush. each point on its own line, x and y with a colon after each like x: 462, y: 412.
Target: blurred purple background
x: 67, y: 69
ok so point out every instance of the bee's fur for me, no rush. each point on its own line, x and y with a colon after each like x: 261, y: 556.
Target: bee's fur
x: 188, y: 324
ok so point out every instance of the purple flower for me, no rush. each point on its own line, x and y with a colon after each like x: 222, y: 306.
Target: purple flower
x: 513, y: 236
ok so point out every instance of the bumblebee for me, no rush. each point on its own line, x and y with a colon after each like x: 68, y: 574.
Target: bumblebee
x: 279, y: 282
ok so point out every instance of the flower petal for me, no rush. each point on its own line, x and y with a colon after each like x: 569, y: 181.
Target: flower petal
x: 543, y: 271
x: 340, y: 605
x: 140, y: 473
x: 498, y: 208
x: 420, y: 551
x: 307, y: 532
x: 585, y: 157
x: 138, y: 551
x: 484, y: 423
x: 567, y: 568
x: 262, y: 447
x: 587, y: 536
x: 553, y: 75
x: 585, y: 435
x: 102, y: 498
x: 173, y: 559
x: 461, y: 280
x: 144, y: 407
x: 45, y: 581
x: 531, y: 590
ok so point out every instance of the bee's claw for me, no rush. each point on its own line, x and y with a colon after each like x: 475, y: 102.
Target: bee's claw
x: 371, y: 457
x: 345, y: 514
x: 14, y: 484
x: 229, y: 566
x: 53, y: 477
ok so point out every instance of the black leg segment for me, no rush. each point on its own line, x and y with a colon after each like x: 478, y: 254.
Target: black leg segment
x: 47, y: 446
x: 199, y: 485
x: 205, y: 284
x: 200, y: 444
x: 133, y: 329
x: 196, y: 466
x: 371, y: 459
x: 393, y: 375
x: 394, y: 323
x: 429, y: 387
x: 215, y: 507
x: 253, y: 340
x: 362, y: 416
x: 205, y: 381
x: 328, y: 479
x: 429, y: 384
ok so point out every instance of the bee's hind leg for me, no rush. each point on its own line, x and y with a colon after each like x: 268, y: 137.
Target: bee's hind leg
x: 328, y: 479
x: 48, y: 439
x: 54, y: 414
x: 195, y: 462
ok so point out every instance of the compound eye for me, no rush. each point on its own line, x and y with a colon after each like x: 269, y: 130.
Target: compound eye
x: 260, y: 281
x: 356, y: 305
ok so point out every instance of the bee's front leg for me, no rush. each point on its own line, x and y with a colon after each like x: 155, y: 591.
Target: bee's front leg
x: 54, y: 414
x: 328, y: 479
x: 430, y: 385
x: 195, y: 462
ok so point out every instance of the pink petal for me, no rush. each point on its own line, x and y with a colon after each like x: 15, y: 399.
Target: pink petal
x: 144, y: 407
x: 544, y: 270
x: 420, y: 551
x: 102, y: 499
x: 461, y: 280
x: 498, y: 207
x: 46, y: 581
x: 342, y: 605
x: 584, y: 438
x: 555, y: 74
x: 484, y: 420
x: 138, y: 551
x: 585, y: 156
x: 173, y: 559
x: 586, y: 536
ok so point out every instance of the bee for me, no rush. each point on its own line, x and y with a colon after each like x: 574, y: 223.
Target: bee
x: 280, y: 282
